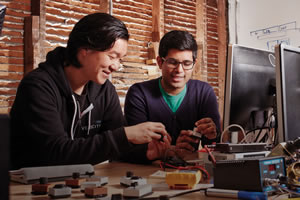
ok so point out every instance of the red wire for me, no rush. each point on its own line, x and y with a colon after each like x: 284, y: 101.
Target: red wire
x: 213, y: 160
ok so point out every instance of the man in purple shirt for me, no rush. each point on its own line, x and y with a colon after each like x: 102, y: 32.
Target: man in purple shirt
x: 181, y: 104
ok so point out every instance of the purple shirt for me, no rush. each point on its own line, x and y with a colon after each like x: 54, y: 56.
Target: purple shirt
x: 144, y: 102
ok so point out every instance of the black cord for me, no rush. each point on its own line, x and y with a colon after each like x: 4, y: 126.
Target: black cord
x: 187, y: 192
x: 165, y: 197
x: 263, y: 127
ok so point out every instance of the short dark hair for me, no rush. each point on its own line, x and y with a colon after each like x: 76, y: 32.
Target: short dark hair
x: 181, y: 40
x: 97, y: 31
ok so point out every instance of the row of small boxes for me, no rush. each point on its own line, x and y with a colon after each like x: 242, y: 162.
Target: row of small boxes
x: 91, y: 186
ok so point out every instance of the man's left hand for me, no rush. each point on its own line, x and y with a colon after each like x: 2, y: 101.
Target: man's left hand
x: 206, y: 127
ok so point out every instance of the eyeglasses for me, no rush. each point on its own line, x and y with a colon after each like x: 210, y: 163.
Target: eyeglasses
x: 173, y: 63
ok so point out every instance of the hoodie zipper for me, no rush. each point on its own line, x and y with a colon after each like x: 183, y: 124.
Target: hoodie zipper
x: 80, y: 115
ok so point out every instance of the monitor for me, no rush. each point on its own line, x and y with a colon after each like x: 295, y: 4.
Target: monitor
x: 250, y: 87
x: 288, y: 92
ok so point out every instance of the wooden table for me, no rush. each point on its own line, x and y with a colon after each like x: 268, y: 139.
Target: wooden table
x: 114, y: 171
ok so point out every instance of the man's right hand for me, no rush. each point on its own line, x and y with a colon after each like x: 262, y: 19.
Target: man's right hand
x: 184, y: 140
x: 145, y: 132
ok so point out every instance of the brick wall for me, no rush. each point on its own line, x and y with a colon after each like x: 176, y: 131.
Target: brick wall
x: 212, y: 44
x: 57, y: 17
x: 11, y: 53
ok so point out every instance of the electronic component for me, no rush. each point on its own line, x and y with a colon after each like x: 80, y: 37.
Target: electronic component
x: 95, y: 192
x: 232, y: 156
x: 103, y: 180
x: 183, y: 179
x: 196, y: 135
x: 129, y: 179
x: 105, y: 198
x: 30, y: 175
x: 89, y: 184
x: 137, y: 191
x: 75, y: 181
x: 240, y: 148
x: 161, y: 137
x: 293, y: 172
x: 40, y: 188
x: 248, y: 173
x: 60, y: 191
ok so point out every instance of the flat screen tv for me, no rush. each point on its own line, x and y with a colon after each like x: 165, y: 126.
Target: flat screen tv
x: 249, y: 88
x: 288, y: 92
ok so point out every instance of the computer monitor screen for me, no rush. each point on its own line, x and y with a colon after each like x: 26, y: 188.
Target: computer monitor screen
x: 250, y: 87
x: 288, y: 92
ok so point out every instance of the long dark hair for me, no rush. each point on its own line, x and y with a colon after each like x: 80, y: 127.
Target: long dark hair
x: 97, y: 31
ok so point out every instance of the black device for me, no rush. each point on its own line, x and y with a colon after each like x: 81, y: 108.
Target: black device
x: 196, y: 135
x: 241, y: 148
x: 288, y: 92
x: 250, y: 86
x: 248, y: 174
x: 4, y: 156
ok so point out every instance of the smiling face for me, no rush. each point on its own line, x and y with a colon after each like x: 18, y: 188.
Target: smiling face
x: 98, y: 65
x: 174, y: 79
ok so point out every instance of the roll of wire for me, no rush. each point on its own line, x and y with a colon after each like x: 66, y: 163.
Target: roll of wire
x: 293, y: 172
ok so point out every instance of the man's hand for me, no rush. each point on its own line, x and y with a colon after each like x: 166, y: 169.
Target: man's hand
x: 145, y: 132
x: 156, y: 148
x: 183, y: 142
x: 206, y: 127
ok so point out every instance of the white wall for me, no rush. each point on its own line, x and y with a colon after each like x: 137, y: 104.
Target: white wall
x: 264, y: 23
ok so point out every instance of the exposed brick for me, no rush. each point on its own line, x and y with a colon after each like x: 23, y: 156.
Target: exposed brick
x: 189, y: 5
x: 9, y: 18
x: 12, y: 33
x: 210, y: 69
x: 13, y: 26
x: 212, y: 3
x: 17, y: 6
x: 16, y: 13
x: 12, y: 40
x: 129, y: 75
x: 136, y: 14
x: 10, y: 76
x: 146, y: 11
x: 11, y: 47
x: 7, y: 91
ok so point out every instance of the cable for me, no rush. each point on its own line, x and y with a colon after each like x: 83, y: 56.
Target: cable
x: 213, y: 160
x: 288, y: 190
x: 187, y: 192
x: 165, y: 197
x: 230, y: 126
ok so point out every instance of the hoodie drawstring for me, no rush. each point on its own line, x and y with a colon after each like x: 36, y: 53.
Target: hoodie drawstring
x: 87, y: 110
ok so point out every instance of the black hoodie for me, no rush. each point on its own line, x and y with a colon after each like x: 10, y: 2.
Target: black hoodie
x: 42, y: 119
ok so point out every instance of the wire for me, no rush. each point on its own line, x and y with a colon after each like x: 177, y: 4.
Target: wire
x: 230, y: 126
x: 288, y: 190
x: 187, y: 192
x: 213, y: 160
x: 172, y: 196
